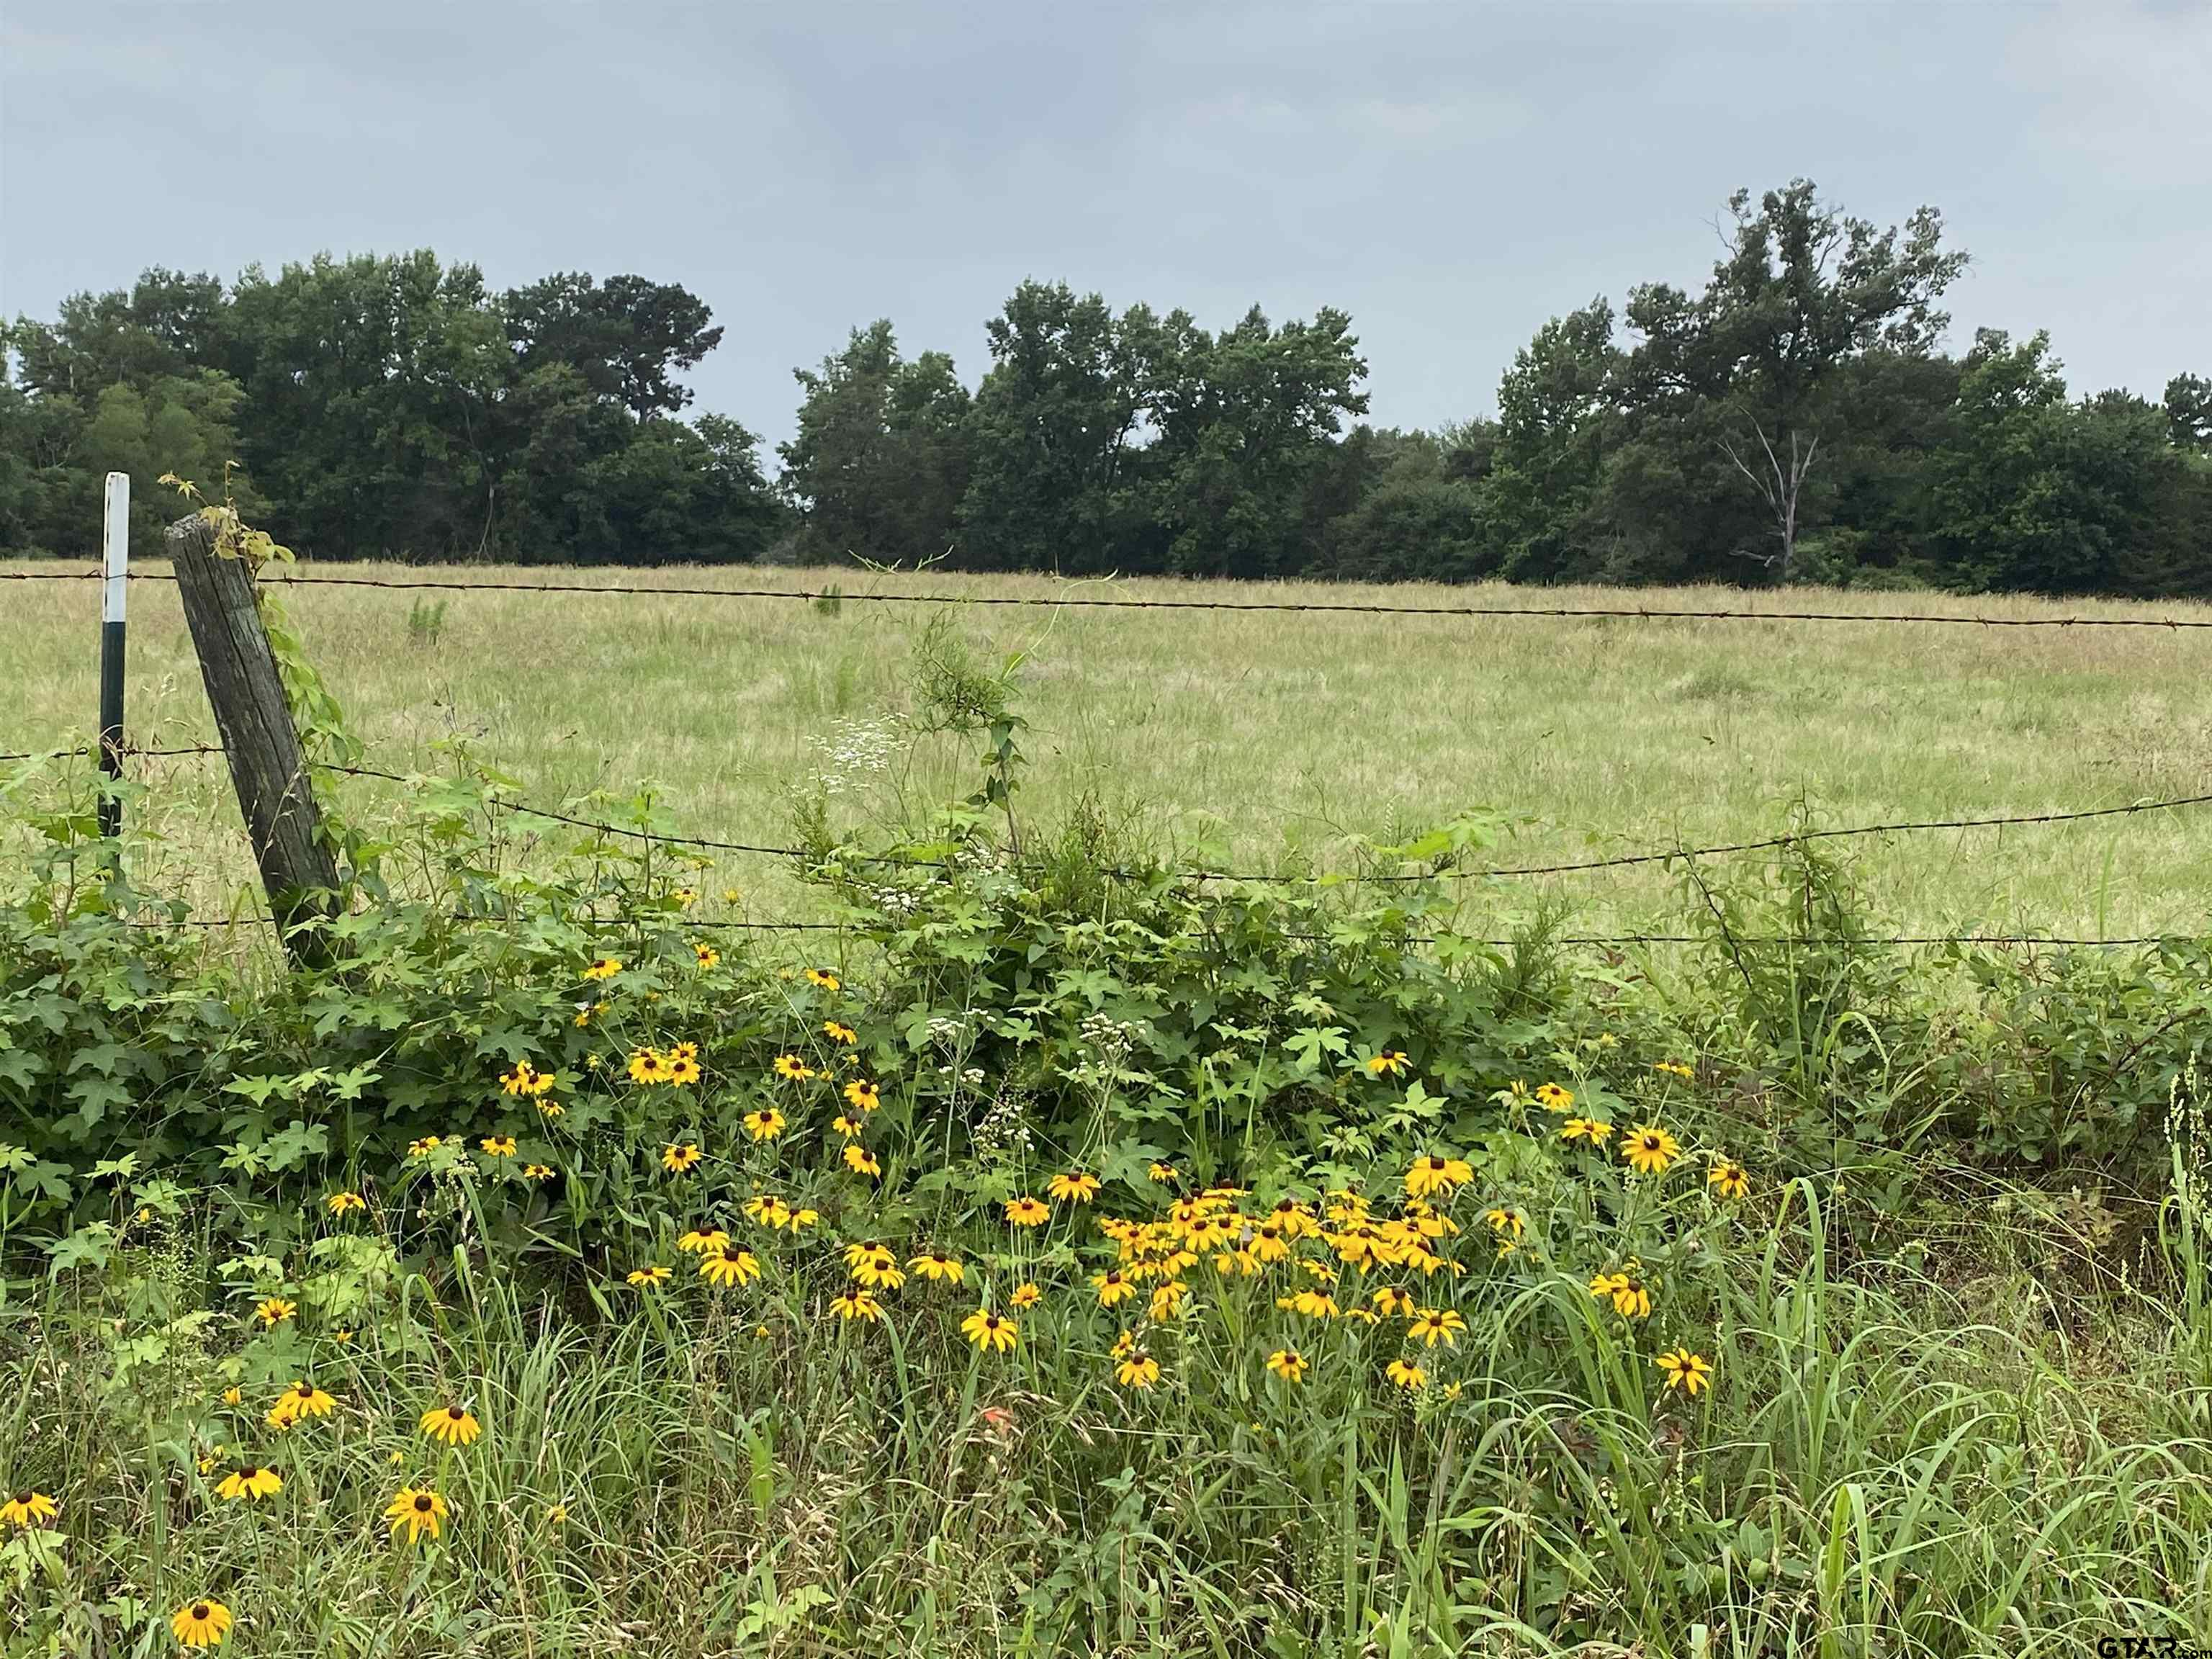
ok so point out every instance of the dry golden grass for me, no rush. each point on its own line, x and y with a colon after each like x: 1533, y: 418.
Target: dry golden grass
x: 1611, y: 734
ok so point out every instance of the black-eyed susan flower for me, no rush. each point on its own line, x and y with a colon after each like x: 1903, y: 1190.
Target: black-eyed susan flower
x: 1137, y: 1369
x: 1168, y: 1299
x: 1387, y: 1062
x: 425, y: 1146
x: 497, y: 1146
x: 1437, y: 1173
x: 456, y: 1426
x: 1114, y: 1286
x: 694, y: 1240
x: 274, y: 1310
x: 1393, y: 1304
x: 988, y: 1331
x: 1288, y: 1365
x: 769, y: 1210
x: 791, y: 1067
x: 874, y: 1267
x: 419, y: 1511
x: 722, y: 1266
x: 1163, y: 1174
x: 346, y: 1203
x: 764, y: 1124
x: 231, y: 1396
x: 537, y: 1172
x: 1314, y: 1304
x: 1027, y: 1211
x: 1595, y: 1131
x: 1687, y: 1371
x: 821, y: 979
x: 556, y: 1515
x: 1675, y: 1068
x: 856, y: 1303
x: 303, y: 1399
x: 837, y: 1033
x: 604, y: 967
x: 1728, y: 1179
x: 1506, y: 1223
x: 248, y: 1481
x: 27, y: 1508
x: 646, y: 1065
x: 201, y: 1624
x: 938, y: 1265
x: 1629, y: 1295
x: 517, y: 1080
x: 647, y: 1278
x: 851, y: 1128
x: 678, y: 1158
x: 862, y: 1162
x: 1554, y: 1097
x: 1650, y: 1149
x: 707, y: 955
x: 1072, y: 1188
x: 863, y: 1095
x: 679, y: 1071
x: 1434, y: 1325
x: 1406, y: 1374
x: 1026, y: 1296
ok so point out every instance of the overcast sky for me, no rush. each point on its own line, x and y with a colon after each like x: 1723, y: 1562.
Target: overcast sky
x: 1450, y: 173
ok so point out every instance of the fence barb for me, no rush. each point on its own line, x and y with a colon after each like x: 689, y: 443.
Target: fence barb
x: 1322, y: 607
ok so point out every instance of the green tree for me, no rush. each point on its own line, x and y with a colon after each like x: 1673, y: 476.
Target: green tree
x: 627, y: 336
x: 880, y: 460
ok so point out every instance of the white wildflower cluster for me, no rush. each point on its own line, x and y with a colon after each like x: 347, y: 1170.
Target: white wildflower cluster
x: 853, y: 752
x: 1005, y: 1127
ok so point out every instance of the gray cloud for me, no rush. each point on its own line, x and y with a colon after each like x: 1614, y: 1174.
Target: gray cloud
x: 1451, y: 174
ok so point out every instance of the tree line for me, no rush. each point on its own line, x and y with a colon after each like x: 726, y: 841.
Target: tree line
x: 1796, y: 418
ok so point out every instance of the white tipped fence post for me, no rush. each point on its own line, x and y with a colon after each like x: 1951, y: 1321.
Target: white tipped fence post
x: 115, y: 564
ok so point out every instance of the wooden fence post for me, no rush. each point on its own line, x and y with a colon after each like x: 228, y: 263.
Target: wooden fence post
x: 266, y: 766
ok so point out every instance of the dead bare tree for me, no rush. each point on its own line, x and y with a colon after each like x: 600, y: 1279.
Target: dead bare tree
x: 1779, y: 484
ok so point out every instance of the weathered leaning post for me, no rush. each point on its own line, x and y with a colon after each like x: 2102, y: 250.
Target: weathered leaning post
x: 267, y: 768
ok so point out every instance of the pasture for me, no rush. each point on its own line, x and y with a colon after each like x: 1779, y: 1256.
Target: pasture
x: 1257, y: 737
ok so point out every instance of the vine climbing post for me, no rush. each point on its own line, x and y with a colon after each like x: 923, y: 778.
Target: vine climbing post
x: 267, y: 768
x: 115, y: 569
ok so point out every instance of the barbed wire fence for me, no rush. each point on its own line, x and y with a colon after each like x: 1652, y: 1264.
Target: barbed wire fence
x: 114, y: 750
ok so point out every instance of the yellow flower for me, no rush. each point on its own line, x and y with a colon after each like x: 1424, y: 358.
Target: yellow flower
x: 874, y: 1266
x: 302, y: 1399
x: 681, y: 1071
x: 1389, y: 1062
x: 1114, y: 1286
x: 425, y: 1146
x: 847, y: 1127
x: 1553, y: 1098
x: 822, y: 977
x: 1406, y: 1374
x: 677, y: 1157
x: 694, y: 1241
x: 844, y: 1034
x: 415, y: 1511
x: 862, y: 1161
x: 646, y: 1277
x: 27, y: 1508
x: 1393, y: 1303
x: 1675, y: 1068
x: 498, y: 1146
x: 1163, y: 1173
x: 231, y: 1395
x: 1026, y: 1296
x: 1593, y: 1130
x: 1650, y: 1149
x: 537, y: 1172
x: 556, y: 1515
x: 1315, y: 1304
x: 731, y: 896
x: 1506, y: 1223
x: 856, y: 1304
x: 518, y: 1081
x: 772, y: 1212
x: 1435, y: 1325
x: 340, y: 1203
x: 249, y: 1481
x: 275, y: 1309
x: 863, y: 1095
x: 1288, y: 1365
x: 723, y: 1266
x: 1137, y: 1369
x: 938, y: 1265
x: 646, y: 1066
x: 707, y: 955
x: 1434, y: 1174
x: 1071, y: 1188
x: 988, y: 1330
x: 201, y: 1624
x: 1685, y: 1371
x: 1027, y: 1213
x: 456, y: 1426
x: 1630, y: 1297
x: 791, y: 1066
x: 1730, y: 1179
x: 1168, y: 1299
x: 604, y: 967
x: 1125, y: 1345
x: 764, y: 1124
x: 686, y: 897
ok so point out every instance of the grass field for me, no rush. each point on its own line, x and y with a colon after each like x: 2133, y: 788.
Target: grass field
x: 1291, y: 731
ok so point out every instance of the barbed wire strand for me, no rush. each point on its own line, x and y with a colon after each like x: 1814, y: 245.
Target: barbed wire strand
x: 1324, y: 607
